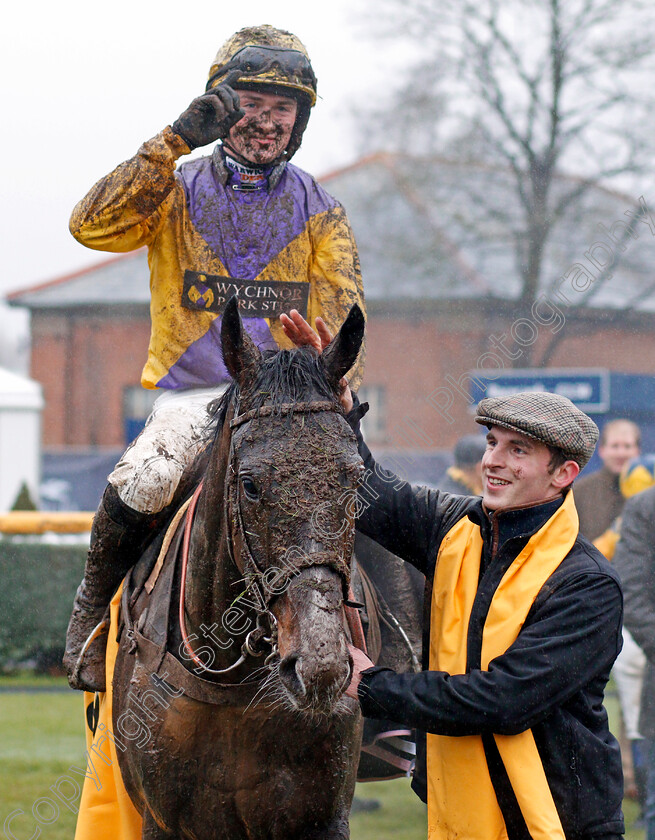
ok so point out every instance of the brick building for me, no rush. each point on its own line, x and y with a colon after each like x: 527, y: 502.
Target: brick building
x: 89, y: 337
x: 442, y: 297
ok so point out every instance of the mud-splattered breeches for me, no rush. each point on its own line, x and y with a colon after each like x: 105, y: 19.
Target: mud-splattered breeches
x: 149, y: 472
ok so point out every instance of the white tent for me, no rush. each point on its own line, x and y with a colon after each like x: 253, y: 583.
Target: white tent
x: 21, y: 402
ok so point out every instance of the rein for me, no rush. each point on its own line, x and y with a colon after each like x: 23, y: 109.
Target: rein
x: 252, y: 639
x: 248, y: 565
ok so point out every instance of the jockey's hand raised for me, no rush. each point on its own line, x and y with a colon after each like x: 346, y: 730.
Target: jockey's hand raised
x: 210, y: 116
x: 301, y: 333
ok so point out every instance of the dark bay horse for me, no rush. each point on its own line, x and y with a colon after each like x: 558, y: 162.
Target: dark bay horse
x: 236, y: 662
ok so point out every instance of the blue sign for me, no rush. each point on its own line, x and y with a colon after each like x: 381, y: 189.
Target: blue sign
x: 589, y: 389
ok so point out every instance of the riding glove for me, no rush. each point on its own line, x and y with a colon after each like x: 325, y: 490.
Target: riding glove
x: 210, y: 116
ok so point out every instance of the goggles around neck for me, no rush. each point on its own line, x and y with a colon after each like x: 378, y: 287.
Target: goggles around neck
x: 294, y: 68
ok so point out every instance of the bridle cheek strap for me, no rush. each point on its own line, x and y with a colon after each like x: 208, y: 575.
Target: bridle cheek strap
x: 238, y: 547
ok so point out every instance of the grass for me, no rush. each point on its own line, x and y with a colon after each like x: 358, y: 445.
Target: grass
x: 42, y: 734
x: 630, y: 808
x: 402, y: 816
x: 29, y: 680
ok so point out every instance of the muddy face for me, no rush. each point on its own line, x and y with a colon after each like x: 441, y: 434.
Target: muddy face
x: 294, y: 482
x: 264, y: 133
x: 315, y: 666
x: 295, y: 486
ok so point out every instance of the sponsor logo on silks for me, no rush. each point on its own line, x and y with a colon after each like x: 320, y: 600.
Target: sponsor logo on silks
x: 256, y: 298
x: 246, y: 182
x: 246, y: 177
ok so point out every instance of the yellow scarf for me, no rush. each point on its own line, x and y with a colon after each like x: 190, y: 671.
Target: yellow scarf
x: 461, y: 797
x: 106, y: 810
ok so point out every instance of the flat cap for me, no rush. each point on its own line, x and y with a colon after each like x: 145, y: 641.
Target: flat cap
x: 548, y: 418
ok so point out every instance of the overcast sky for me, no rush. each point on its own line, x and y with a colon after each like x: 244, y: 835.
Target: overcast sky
x: 84, y: 83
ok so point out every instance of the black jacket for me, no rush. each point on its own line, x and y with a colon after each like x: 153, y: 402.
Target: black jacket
x: 634, y: 560
x: 551, y: 680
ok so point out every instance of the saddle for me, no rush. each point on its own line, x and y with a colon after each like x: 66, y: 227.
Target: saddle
x: 149, y: 596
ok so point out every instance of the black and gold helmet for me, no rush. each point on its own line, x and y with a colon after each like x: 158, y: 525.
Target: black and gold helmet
x: 274, y: 61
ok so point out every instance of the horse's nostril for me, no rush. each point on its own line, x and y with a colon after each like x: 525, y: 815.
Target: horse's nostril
x: 290, y: 674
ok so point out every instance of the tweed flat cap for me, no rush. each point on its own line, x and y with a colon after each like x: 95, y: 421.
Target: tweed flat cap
x: 548, y: 418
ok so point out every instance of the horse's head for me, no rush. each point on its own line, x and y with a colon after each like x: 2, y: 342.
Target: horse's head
x: 291, y: 501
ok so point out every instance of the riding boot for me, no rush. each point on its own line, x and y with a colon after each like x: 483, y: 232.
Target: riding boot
x: 118, y: 535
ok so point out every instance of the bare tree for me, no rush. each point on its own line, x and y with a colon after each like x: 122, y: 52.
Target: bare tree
x: 541, y: 87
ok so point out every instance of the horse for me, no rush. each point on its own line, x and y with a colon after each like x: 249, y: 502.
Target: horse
x: 235, y: 654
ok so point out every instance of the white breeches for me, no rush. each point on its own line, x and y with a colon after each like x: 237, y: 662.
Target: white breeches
x: 628, y: 672
x: 147, y: 475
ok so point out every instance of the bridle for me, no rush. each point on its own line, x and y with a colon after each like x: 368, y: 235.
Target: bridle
x: 256, y: 636
x: 256, y: 642
x: 243, y: 557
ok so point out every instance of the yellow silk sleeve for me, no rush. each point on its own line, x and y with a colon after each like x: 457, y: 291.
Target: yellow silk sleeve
x: 125, y: 209
x: 335, y: 276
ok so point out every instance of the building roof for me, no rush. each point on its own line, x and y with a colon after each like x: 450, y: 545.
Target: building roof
x: 425, y: 232
x: 19, y: 392
x: 121, y: 280
x: 438, y: 229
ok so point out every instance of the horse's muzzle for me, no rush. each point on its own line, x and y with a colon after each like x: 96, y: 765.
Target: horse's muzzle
x: 315, y: 666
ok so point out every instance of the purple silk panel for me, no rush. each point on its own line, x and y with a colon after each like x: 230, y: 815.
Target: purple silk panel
x: 202, y: 363
x: 246, y: 230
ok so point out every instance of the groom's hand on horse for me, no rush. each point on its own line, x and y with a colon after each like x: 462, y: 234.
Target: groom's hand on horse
x: 301, y: 333
x: 360, y: 663
x: 346, y: 396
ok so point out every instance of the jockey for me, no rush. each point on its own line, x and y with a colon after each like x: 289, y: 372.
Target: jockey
x: 243, y: 221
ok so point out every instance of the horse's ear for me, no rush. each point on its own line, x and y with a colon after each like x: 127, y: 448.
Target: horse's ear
x: 340, y: 355
x: 240, y: 354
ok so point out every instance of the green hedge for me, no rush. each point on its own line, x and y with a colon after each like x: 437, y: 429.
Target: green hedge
x: 38, y: 584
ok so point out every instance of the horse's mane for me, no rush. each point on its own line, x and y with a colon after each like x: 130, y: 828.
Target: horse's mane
x: 284, y: 376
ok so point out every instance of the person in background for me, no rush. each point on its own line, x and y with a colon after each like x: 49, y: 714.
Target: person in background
x: 465, y: 476
x: 628, y: 672
x: 598, y: 497
x: 634, y: 560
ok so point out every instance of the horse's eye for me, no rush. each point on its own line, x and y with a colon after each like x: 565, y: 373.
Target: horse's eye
x: 250, y: 488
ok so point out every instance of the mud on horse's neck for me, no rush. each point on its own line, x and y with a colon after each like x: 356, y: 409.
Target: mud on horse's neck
x: 213, y: 582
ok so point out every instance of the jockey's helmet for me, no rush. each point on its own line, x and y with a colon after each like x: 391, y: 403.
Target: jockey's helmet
x: 273, y: 61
